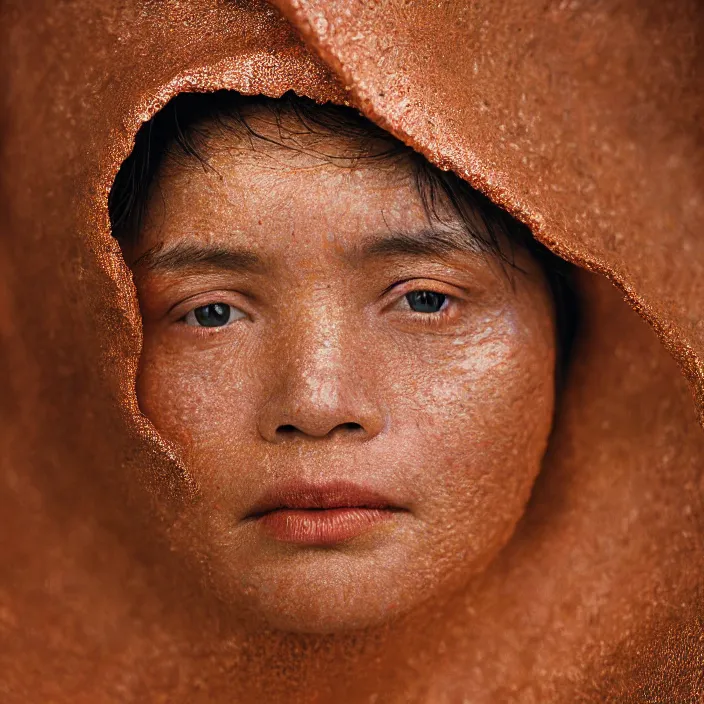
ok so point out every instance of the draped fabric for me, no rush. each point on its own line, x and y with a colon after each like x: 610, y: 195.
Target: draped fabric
x: 583, y: 120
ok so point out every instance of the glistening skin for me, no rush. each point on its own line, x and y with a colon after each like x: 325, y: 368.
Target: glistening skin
x: 361, y: 393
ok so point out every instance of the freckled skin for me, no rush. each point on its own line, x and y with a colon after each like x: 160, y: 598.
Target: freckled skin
x: 453, y: 410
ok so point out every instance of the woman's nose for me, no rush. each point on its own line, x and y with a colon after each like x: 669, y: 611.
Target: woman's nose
x: 324, y: 386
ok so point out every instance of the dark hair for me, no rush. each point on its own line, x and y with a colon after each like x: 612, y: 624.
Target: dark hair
x: 181, y: 128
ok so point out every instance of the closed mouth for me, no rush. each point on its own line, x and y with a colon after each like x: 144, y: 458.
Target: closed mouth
x: 319, y: 498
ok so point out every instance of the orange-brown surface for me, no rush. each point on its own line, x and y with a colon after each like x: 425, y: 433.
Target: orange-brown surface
x: 585, y: 122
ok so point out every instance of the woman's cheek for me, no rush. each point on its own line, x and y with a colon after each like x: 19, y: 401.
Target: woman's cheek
x: 490, y: 410
x: 191, y: 396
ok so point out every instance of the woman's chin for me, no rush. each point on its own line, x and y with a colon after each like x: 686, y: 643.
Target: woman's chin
x: 320, y: 592
x: 322, y: 619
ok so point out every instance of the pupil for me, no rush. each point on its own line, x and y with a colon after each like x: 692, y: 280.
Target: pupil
x: 212, y: 315
x: 425, y: 301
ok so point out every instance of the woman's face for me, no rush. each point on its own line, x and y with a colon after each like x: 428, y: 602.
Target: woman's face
x: 363, y: 411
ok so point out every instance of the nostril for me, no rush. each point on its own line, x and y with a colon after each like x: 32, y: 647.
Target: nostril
x: 350, y: 426
x: 289, y: 429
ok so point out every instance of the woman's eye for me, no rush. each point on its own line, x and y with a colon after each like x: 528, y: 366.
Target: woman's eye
x: 213, y: 315
x: 426, y: 301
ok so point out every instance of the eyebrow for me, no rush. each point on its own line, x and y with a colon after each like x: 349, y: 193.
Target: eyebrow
x: 429, y: 242
x: 184, y: 256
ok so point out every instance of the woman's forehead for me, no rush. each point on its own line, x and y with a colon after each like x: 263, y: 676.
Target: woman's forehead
x: 300, y: 214
x: 285, y: 174
x: 283, y: 178
x: 243, y: 193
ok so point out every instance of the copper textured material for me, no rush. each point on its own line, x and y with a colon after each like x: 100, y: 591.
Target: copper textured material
x: 584, y: 121
x: 543, y: 110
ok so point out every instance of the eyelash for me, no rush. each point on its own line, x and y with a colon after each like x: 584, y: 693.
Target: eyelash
x: 232, y: 308
x: 430, y: 319
x: 223, y: 297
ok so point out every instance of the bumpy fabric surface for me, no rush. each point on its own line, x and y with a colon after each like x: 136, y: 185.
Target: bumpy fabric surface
x: 584, y: 120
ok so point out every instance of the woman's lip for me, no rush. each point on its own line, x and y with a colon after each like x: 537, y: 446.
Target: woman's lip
x: 331, y: 495
x: 325, y: 526
x: 320, y: 514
